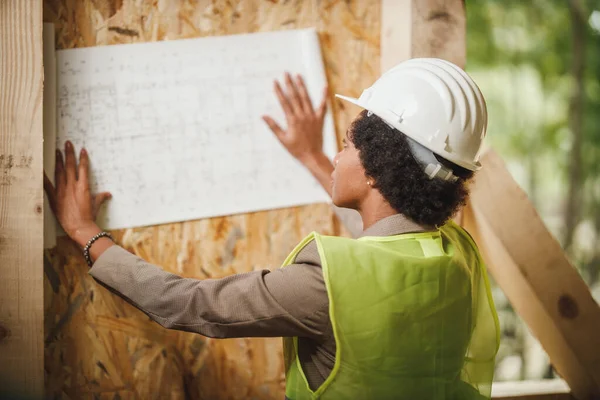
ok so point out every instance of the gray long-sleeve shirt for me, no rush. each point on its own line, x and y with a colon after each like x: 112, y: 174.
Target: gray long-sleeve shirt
x: 286, y: 302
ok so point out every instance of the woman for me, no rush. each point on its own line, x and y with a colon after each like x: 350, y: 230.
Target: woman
x: 403, y: 312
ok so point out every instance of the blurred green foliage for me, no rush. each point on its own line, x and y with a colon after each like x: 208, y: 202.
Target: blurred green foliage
x: 524, y: 55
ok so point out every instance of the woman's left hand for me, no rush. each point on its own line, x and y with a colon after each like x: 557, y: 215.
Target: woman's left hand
x: 71, y: 200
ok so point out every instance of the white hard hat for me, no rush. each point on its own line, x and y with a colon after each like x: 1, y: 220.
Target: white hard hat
x: 437, y: 105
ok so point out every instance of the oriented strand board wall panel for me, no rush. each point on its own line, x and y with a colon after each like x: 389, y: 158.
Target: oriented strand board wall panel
x: 21, y: 197
x: 98, y: 346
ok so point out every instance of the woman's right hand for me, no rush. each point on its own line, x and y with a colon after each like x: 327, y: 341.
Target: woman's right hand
x: 303, y: 137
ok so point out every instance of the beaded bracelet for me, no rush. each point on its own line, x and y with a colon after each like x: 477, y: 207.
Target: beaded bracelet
x: 86, y: 249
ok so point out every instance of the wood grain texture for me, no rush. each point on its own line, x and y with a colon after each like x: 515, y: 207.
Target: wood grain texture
x: 396, y: 32
x: 422, y: 28
x: 21, y: 198
x: 439, y: 30
x: 98, y: 346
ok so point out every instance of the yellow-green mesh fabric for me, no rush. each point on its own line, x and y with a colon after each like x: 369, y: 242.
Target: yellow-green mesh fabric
x: 485, y: 339
x: 412, y: 315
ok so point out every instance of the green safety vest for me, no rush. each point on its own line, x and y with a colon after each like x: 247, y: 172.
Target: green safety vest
x: 412, y: 315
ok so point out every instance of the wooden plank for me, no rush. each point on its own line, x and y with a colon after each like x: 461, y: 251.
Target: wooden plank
x: 396, y: 32
x: 21, y: 198
x: 98, y: 345
x: 541, y: 284
x: 422, y: 28
x: 439, y: 30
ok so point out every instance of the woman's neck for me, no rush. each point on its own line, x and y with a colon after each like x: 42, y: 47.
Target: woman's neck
x: 373, y: 209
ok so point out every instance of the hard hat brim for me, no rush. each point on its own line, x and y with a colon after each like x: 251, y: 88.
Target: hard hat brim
x: 350, y: 99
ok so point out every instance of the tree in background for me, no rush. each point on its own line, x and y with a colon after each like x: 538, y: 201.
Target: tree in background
x: 578, y: 42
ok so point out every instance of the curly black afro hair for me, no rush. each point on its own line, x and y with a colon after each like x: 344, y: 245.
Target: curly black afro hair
x: 386, y: 156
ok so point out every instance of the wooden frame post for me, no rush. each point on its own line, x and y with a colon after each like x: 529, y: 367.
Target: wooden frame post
x: 21, y: 199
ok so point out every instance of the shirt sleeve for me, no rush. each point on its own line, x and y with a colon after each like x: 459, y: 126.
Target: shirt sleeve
x: 290, y: 301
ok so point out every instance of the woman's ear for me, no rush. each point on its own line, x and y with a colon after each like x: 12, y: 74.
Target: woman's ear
x: 371, y: 181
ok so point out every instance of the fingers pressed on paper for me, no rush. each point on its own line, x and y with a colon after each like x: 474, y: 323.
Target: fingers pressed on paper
x: 305, y: 98
x: 84, y: 167
x: 59, y: 170
x: 293, y: 95
x: 283, y: 100
x: 274, y: 127
x: 70, y: 167
x: 100, y: 198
